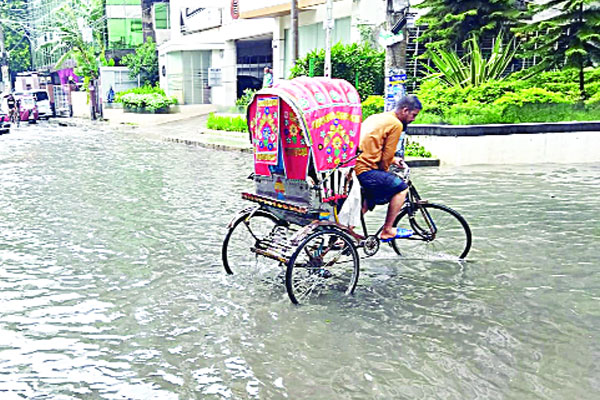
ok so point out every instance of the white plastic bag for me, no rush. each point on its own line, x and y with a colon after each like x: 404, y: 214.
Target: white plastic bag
x: 350, y: 213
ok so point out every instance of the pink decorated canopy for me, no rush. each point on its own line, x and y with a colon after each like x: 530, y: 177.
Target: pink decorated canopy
x: 304, y: 118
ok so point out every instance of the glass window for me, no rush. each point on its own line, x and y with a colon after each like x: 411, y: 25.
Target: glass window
x: 161, y: 16
x: 124, y: 33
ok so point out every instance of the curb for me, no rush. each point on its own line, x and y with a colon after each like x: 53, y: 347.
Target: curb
x: 213, y: 146
x: 503, y: 129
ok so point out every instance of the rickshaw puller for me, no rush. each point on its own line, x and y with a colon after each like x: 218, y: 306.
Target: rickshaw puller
x: 380, y: 134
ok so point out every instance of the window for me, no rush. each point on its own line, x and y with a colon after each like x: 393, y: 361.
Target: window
x: 124, y: 33
x: 162, y: 16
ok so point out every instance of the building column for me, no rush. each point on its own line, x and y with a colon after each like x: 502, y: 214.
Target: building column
x: 229, y: 73
x: 279, y: 50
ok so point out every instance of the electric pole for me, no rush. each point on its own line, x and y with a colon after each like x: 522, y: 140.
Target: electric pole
x: 328, y: 30
x: 294, y: 31
x: 395, y: 55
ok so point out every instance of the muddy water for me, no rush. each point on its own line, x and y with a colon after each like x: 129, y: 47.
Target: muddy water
x: 111, y: 285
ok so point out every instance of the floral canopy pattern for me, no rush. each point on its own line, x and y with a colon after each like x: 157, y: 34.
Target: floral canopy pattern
x: 318, y: 118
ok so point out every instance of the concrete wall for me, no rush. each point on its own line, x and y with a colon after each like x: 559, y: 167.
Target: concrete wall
x: 563, y: 147
x: 81, y: 107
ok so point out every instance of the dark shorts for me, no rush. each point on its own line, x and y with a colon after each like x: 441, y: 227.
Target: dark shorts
x: 378, y: 187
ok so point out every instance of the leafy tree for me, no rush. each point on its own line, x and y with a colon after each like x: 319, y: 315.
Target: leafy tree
x: 565, y: 33
x: 16, y: 42
x: 143, y: 62
x: 450, y: 23
x: 359, y: 64
x: 80, y: 35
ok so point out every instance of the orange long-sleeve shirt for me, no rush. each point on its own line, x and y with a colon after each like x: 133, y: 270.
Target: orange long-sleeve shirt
x: 380, y: 134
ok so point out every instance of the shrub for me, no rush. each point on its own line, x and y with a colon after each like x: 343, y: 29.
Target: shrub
x: 414, y: 149
x: 594, y: 100
x: 359, y: 64
x: 226, y: 123
x: 246, y: 98
x: 148, y: 101
x: 146, y: 89
x: 372, y: 105
x: 531, y: 96
x: 473, y: 113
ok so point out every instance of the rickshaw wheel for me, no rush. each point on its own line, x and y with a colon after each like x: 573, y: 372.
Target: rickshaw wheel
x: 242, y: 236
x: 324, y: 266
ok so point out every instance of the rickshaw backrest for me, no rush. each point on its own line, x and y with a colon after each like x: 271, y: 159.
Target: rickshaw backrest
x: 336, y: 186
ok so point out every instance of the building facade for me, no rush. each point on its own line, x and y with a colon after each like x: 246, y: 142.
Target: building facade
x: 219, y: 47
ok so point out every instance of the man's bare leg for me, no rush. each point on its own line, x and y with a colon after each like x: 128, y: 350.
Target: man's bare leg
x: 393, y: 210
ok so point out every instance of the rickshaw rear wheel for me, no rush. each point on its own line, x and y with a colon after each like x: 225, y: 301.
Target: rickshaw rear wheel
x: 242, y: 236
x: 324, y: 266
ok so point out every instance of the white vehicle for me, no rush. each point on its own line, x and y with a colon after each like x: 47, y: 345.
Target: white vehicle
x: 42, y: 101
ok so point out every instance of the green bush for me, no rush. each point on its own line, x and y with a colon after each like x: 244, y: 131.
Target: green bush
x: 414, y: 149
x: 538, y: 112
x: 226, y: 123
x: 372, y: 105
x: 594, y: 100
x: 359, y: 64
x: 148, y: 101
x: 548, y: 96
x: 473, y: 113
x: 245, y: 98
x: 147, y: 89
x: 530, y: 96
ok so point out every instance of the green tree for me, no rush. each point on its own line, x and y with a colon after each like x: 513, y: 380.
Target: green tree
x: 80, y: 32
x: 18, y: 49
x: 359, y: 64
x: 565, y: 33
x: 16, y: 43
x: 143, y: 62
x: 450, y: 23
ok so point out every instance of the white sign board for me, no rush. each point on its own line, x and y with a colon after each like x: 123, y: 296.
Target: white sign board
x: 204, y: 15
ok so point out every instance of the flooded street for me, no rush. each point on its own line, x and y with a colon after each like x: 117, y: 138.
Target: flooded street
x: 112, y: 287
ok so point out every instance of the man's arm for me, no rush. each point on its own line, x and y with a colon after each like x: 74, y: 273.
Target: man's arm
x: 389, y: 149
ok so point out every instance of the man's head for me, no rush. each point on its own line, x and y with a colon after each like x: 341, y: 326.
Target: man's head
x: 407, y: 108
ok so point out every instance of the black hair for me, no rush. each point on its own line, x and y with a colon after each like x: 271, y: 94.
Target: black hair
x: 411, y: 102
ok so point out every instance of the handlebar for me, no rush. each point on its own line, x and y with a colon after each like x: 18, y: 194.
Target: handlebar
x: 402, y: 173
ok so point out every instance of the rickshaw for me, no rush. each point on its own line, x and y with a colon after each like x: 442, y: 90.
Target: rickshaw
x: 305, y: 134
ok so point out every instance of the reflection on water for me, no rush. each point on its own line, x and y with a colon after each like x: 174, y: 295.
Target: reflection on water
x: 111, y: 285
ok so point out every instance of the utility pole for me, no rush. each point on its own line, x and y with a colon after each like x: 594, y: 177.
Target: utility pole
x: 328, y: 31
x: 395, y: 55
x: 294, y: 18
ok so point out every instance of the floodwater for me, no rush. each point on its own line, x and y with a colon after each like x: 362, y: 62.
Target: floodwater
x: 111, y: 285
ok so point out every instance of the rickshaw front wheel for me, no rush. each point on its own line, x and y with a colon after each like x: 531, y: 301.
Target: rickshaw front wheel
x: 324, y: 267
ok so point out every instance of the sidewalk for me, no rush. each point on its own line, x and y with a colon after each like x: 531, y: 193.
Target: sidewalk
x: 187, y: 127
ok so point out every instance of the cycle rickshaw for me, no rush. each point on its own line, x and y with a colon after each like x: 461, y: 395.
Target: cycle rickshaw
x: 305, y: 134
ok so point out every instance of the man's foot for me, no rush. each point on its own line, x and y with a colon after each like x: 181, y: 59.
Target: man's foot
x: 399, y: 234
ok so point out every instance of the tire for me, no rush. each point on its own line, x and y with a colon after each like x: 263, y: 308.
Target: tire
x: 451, y: 239
x: 242, y: 236
x: 323, y: 267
